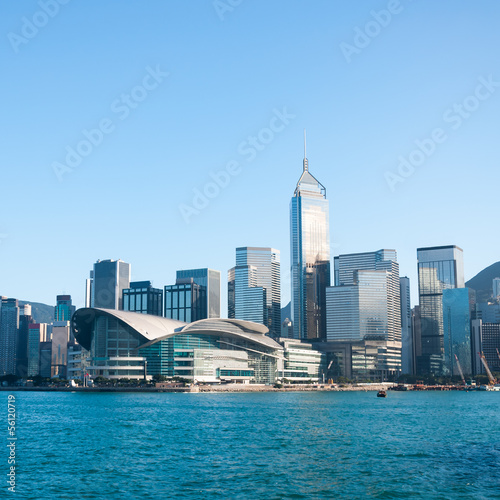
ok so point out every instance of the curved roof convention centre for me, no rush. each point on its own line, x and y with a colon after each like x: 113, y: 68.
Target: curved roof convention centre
x: 152, y: 329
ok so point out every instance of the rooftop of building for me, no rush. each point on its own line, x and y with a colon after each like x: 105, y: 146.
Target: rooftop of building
x: 152, y: 329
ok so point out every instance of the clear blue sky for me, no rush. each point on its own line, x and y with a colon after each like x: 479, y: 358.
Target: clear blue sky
x: 364, y: 100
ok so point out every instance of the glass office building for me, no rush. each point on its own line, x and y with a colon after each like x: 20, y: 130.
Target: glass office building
x: 439, y: 269
x: 310, y: 256
x: 254, y: 287
x: 407, y: 351
x: 458, y: 304
x: 9, y: 326
x: 301, y: 362
x: 185, y: 301
x: 210, y: 279
x: 64, y: 308
x: 110, y: 278
x: 365, y: 301
x: 364, y: 310
x: 143, y: 298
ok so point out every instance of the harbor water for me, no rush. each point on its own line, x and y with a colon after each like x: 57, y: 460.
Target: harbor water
x: 308, y: 445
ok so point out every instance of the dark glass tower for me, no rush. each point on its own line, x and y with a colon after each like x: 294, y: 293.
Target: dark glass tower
x: 9, y: 327
x: 111, y: 277
x: 309, y: 256
x: 186, y: 301
x: 141, y: 297
x: 210, y: 279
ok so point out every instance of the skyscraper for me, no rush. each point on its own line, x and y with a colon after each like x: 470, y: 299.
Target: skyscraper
x: 25, y: 319
x: 407, y: 351
x: 210, y: 279
x: 37, y: 333
x: 254, y: 287
x: 111, y: 277
x: 458, y: 304
x: 61, y: 333
x: 9, y: 327
x: 363, y: 309
x: 89, y: 285
x: 186, y: 300
x: 439, y: 268
x: 309, y: 256
x: 64, y: 308
x: 141, y: 297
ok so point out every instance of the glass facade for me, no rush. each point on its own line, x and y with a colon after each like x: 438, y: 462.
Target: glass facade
x: 302, y: 363
x: 254, y: 287
x: 64, y: 308
x: 364, y: 309
x: 366, y: 301
x: 112, y: 350
x: 141, y: 297
x: 439, y: 269
x: 111, y: 277
x: 211, y: 350
x: 185, y: 302
x: 210, y: 279
x: 37, y: 332
x: 310, y: 257
x: 458, y: 304
x: 210, y: 358
x: 9, y: 326
x: 490, y: 345
x: 407, y: 352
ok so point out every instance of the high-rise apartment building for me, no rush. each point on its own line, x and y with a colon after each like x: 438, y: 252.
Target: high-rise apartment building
x: 309, y: 256
x: 141, y: 297
x: 210, y: 279
x: 9, y: 327
x: 254, y: 287
x: 439, y: 269
x: 64, y: 309
x: 111, y: 277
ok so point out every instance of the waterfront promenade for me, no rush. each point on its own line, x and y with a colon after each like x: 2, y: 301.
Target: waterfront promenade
x: 250, y: 388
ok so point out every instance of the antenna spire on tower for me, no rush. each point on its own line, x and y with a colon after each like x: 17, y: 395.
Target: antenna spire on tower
x: 306, y: 165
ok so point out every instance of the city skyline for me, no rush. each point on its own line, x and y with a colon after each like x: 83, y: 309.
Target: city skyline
x: 194, y: 128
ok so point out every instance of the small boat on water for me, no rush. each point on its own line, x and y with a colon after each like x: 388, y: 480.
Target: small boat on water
x: 381, y: 394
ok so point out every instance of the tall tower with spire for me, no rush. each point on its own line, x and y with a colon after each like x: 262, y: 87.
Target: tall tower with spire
x: 309, y: 255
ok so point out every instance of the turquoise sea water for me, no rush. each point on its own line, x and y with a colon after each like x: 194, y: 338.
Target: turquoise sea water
x: 256, y: 446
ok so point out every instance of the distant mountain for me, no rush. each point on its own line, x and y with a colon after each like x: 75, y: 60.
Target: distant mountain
x: 482, y: 282
x: 42, y: 313
x: 286, y: 312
